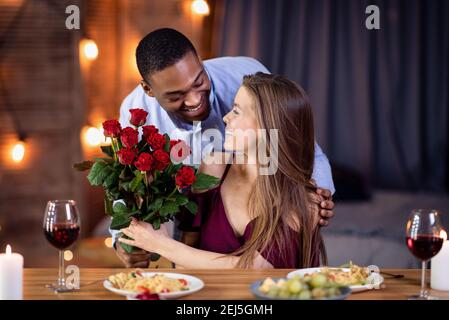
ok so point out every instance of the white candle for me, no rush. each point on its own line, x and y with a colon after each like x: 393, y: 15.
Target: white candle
x: 11, y: 275
x: 439, y: 276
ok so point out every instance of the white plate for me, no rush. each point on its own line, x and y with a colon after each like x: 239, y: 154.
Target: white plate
x: 374, y: 280
x: 193, y: 283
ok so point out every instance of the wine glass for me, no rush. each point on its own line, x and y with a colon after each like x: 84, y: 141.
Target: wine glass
x: 61, y: 228
x: 424, y: 241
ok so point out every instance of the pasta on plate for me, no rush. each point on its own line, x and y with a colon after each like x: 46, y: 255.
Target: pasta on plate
x: 135, y: 281
x: 356, y: 275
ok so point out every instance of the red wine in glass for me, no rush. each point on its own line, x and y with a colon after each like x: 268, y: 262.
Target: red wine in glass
x: 424, y: 247
x: 61, y: 228
x: 62, y: 235
x: 424, y: 241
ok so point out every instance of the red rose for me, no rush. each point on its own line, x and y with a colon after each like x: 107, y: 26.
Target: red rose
x: 180, y: 152
x: 185, y: 177
x: 162, y: 159
x: 156, y: 141
x: 174, y: 143
x: 111, y: 128
x: 144, y: 161
x: 149, y: 130
x: 138, y: 117
x: 129, y: 137
x: 126, y: 156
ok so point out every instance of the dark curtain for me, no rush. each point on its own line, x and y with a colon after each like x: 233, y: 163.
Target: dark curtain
x: 380, y: 96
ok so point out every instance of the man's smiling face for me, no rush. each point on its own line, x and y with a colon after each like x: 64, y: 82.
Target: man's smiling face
x: 182, y: 89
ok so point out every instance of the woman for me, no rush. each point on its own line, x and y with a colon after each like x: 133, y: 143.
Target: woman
x: 252, y: 220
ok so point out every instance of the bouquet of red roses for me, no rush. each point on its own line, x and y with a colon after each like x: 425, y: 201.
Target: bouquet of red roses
x: 143, y: 179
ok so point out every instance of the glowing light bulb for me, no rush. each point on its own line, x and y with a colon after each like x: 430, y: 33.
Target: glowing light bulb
x: 89, y: 49
x: 108, y: 242
x: 68, y: 255
x: 18, y: 151
x: 93, y: 136
x: 200, y: 7
x: 8, y: 249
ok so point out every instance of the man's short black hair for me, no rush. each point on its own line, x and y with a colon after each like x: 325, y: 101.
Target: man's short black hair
x: 160, y: 49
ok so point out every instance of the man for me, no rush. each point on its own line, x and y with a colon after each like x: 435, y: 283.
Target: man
x: 183, y: 94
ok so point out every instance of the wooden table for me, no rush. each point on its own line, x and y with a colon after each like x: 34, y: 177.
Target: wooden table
x: 219, y: 284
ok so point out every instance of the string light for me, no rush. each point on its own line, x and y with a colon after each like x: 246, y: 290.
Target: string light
x: 93, y: 136
x: 18, y: 151
x: 108, y: 242
x: 68, y: 255
x: 89, y: 49
x: 200, y: 7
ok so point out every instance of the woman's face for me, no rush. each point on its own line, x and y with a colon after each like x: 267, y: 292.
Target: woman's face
x: 241, y: 123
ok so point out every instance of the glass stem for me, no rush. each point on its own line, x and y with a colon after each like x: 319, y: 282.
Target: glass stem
x: 61, y: 280
x: 423, y: 293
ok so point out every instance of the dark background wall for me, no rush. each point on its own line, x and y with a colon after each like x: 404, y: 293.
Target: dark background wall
x: 380, y: 96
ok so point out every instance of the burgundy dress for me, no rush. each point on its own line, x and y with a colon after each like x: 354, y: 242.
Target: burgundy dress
x: 217, y: 234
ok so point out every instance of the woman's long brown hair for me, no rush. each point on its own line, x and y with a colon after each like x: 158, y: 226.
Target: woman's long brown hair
x: 282, y: 200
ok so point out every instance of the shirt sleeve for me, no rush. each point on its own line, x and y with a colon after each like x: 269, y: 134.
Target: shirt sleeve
x: 322, y: 172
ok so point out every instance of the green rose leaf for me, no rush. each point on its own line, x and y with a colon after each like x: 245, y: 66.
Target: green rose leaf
x: 155, y: 189
x: 167, y: 143
x: 204, y: 181
x: 107, y: 150
x: 156, y: 224
x: 98, y: 172
x: 128, y: 248
x: 141, y: 190
x: 107, y: 160
x: 169, y: 207
x: 192, y: 207
x: 83, y: 166
x: 120, y: 221
x: 120, y: 209
x: 111, y: 180
x: 178, y: 166
x: 181, y: 199
x: 107, y: 205
x: 113, y: 193
x: 125, y: 185
x: 149, y: 217
x: 140, y: 146
x: 136, y: 181
x: 156, y: 204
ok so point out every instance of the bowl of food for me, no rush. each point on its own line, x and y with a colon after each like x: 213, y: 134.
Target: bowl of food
x: 315, y: 287
x: 355, y: 277
x: 145, y: 285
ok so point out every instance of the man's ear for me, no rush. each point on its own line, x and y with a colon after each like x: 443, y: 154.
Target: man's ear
x: 146, y: 87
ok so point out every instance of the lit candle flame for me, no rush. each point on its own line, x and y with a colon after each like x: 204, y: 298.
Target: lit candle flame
x: 443, y: 235
x: 8, y: 249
